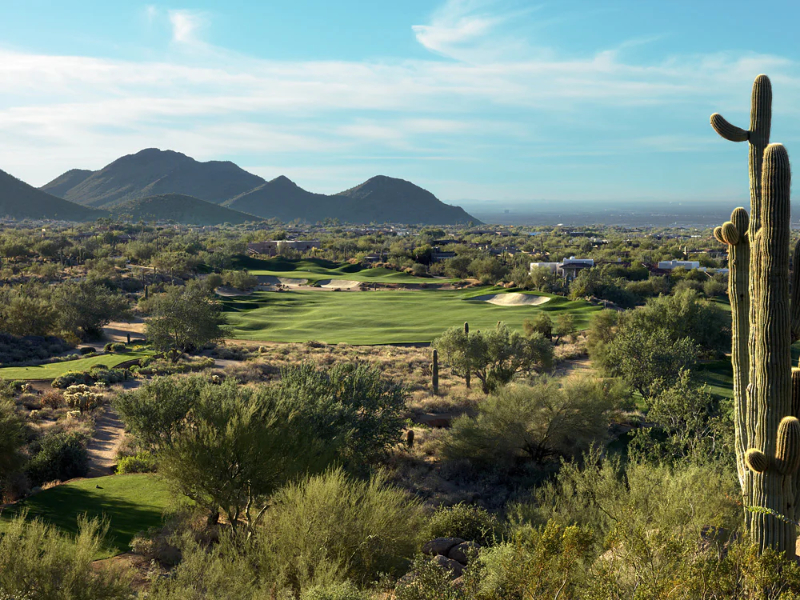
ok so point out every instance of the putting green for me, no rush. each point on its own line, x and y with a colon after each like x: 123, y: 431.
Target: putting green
x: 380, y: 317
x: 56, y: 369
x: 131, y: 503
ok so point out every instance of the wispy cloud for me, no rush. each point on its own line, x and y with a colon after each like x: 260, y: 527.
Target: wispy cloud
x: 187, y: 25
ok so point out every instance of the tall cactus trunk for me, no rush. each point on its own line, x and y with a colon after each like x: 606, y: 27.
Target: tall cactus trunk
x: 771, y: 387
x: 767, y: 430
x: 435, y: 373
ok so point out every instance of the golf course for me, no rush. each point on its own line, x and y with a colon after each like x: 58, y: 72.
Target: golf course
x: 384, y: 316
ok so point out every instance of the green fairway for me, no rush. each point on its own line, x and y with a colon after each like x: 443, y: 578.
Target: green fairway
x: 718, y: 375
x: 56, y: 369
x: 316, y: 269
x: 131, y: 503
x: 379, y: 317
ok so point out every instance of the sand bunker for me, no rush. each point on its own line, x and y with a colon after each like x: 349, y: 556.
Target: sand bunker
x: 284, y: 281
x: 342, y: 284
x: 229, y: 292
x: 512, y: 299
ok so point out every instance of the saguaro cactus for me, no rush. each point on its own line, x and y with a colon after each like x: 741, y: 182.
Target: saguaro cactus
x: 466, y: 375
x: 435, y: 373
x: 767, y: 428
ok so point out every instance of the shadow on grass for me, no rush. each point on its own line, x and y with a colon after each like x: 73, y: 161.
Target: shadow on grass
x: 63, y: 505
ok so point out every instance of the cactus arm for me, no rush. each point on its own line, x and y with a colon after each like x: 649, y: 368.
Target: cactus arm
x: 730, y: 132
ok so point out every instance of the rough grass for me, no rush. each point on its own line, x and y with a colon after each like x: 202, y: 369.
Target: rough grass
x: 379, y: 317
x: 131, y: 503
x: 56, y: 369
x: 315, y: 269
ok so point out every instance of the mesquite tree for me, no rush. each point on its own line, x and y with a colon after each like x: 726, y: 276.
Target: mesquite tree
x: 764, y: 325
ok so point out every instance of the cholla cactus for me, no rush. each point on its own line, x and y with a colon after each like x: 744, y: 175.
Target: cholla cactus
x: 82, y: 398
x: 766, y: 390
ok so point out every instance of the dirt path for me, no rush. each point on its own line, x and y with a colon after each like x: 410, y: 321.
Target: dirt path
x: 102, y: 448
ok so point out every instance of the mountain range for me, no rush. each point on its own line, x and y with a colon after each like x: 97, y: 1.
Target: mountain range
x: 162, y: 184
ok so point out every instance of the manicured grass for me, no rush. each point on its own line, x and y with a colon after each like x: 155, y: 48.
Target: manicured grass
x: 379, y: 317
x: 131, y: 503
x: 315, y: 269
x: 55, y: 369
x: 718, y: 376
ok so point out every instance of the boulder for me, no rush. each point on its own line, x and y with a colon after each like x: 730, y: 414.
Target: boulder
x: 463, y: 552
x: 440, y: 545
x: 455, y: 568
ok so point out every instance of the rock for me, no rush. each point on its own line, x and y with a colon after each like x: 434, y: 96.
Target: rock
x: 458, y: 583
x: 440, y: 546
x: 463, y: 552
x: 455, y: 568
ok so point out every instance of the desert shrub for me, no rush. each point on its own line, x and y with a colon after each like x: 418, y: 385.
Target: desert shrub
x: 53, y: 399
x: 334, y: 591
x: 331, y: 527
x: 38, y: 561
x: 642, y: 497
x: 531, y: 423
x: 12, y: 437
x: 115, y: 347
x: 538, y: 562
x: 83, y: 350
x: 142, y: 462
x: 72, y: 378
x: 430, y: 581
x: 467, y: 522
x: 58, y: 456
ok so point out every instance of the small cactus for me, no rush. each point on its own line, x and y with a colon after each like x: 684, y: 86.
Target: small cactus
x: 410, y: 438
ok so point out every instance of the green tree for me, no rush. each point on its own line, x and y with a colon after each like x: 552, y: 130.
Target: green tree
x: 494, y: 356
x: 183, y: 319
x: 565, y: 326
x: 541, y: 323
x: 648, y: 361
x: 84, y: 308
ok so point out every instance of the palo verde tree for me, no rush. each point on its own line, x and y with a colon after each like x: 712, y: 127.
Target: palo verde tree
x: 184, y: 318
x: 766, y: 388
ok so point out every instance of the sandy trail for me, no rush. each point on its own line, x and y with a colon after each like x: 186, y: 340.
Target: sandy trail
x: 117, y: 331
x: 102, y: 448
x: 512, y: 299
x: 229, y: 292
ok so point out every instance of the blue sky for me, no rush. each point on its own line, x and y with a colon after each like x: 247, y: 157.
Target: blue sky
x: 485, y: 100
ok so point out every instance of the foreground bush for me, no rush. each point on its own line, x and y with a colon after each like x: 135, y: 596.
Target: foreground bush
x: 37, y: 561
x: 330, y: 527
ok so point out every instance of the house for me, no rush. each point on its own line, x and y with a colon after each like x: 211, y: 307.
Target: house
x: 668, y: 265
x: 568, y: 268
x: 274, y: 247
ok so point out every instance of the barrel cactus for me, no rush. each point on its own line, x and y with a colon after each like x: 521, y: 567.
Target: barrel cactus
x: 766, y: 405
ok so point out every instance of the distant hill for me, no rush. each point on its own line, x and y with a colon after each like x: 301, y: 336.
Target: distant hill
x: 380, y: 199
x: 18, y: 200
x: 283, y: 199
x: 152, y: 172
x: 61, y: 185
x: 181, y: 209
x: 396, y: 200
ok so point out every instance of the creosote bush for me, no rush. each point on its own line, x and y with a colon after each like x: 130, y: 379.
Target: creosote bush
x: 465, y: 521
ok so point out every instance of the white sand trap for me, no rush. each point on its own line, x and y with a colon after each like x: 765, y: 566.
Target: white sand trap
x: 342, y: 284
x: 512, y: 299
x: 285, y: 281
